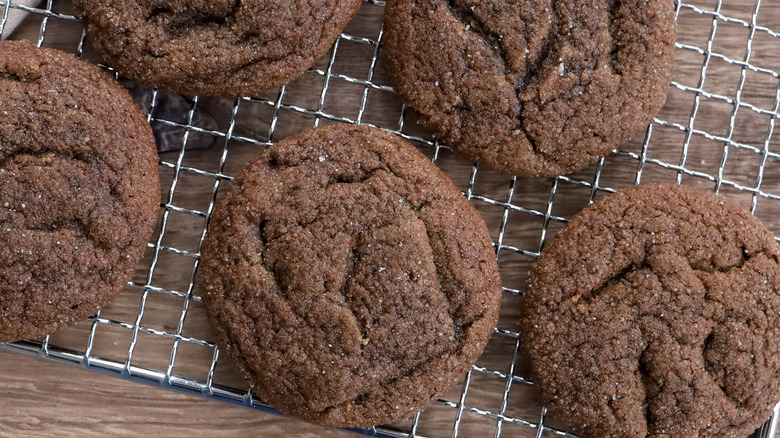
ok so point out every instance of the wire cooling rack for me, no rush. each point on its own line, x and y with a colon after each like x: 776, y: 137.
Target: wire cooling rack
x: 717, y: 131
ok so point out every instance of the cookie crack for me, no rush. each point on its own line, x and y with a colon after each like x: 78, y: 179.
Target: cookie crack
x: 531, y: 140
x: 43, y: 156
x: 182, y: 24
x: 349, y: 274
x: 158, y: 12
x: 466, y: 16
x: 652, y: 386
x: 710, y: 367
x: 620, y: 276
x: 340, y: 179
x: 457, y: 330
x: 336, y: 178
x: 614, y: 279
x: 261, y: 232
x: 363, y: 397
x: 257, y: 56
x: 532, y: 69
x: 272, y: 268
x: 613, y: 8
x: 535, y: 67
x: 646, y: 382
x: 643, y: 263
x: 48, y: 157
x: 78, y: 226
x: 28, y: 73
x: 18, y: 77
x: 707, y: 345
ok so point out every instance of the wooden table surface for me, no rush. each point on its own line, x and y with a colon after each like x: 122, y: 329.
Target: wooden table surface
x: 46, y: 398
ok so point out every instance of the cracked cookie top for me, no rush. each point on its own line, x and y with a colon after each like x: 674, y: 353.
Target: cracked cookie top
x: 532, y: 88
x: 655, y: 313
x: 348, y: 278
x: 226, y: 48
x: 79, y: 189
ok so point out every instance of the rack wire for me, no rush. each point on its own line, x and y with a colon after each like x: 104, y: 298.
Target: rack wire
x: 716, y: 131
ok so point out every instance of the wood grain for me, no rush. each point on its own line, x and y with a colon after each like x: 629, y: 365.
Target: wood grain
x: 46, y: 398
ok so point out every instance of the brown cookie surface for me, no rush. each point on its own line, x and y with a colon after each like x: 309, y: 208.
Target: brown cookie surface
x: 532, y: 88
x: 348, y: 278
x: 79, y: 189
x: 226, y: 48
x: 655, y: 313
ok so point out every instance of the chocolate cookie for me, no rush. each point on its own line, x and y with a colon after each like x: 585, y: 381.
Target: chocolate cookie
x: 533, y: 88
x: 348, y: 278
x: 79, y: 189
x: 226, y: 48
x: 655, y: 313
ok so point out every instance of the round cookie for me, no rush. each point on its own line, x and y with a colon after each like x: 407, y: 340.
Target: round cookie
x: 532, y: 88
x: 79, y: 189
x: 348, y: 278
x: 655, y: 313
x: 226, y: 48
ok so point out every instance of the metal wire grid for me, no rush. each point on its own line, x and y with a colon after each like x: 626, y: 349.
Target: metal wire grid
x: 590, y: 183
